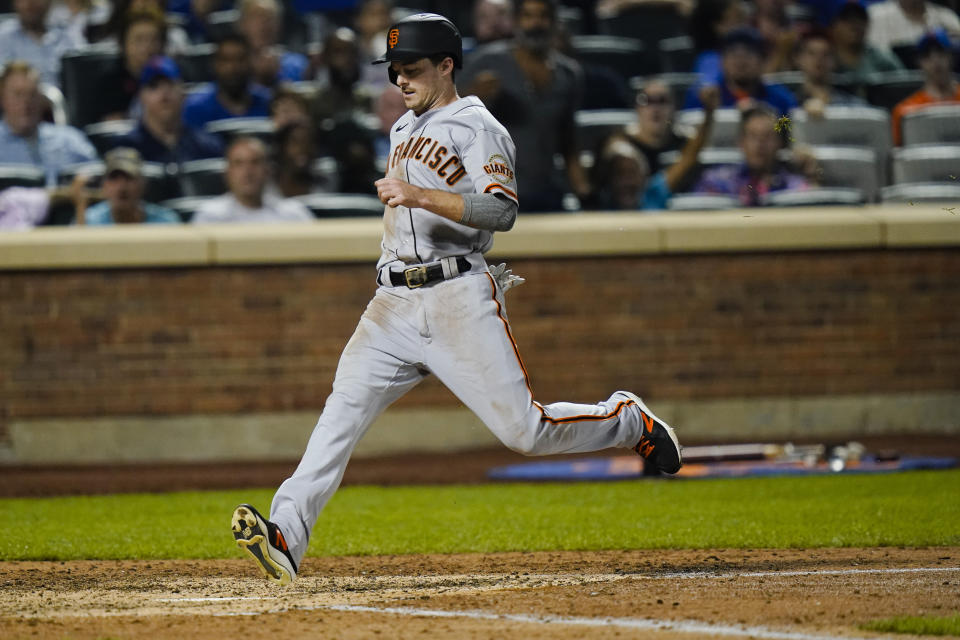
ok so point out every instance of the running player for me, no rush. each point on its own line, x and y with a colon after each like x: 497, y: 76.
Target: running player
x: 438, y: 309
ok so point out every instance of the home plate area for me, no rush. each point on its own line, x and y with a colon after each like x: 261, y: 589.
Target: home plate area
x: 788, y: 594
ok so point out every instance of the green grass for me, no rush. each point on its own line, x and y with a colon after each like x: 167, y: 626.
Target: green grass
x: 914, y: 509
x: 917, y: 625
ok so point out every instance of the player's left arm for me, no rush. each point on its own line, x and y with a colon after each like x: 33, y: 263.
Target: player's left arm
x: 489, y: 211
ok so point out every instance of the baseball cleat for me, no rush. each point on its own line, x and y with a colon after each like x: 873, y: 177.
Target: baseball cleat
x: 265, y: 542
x: 658, y: 443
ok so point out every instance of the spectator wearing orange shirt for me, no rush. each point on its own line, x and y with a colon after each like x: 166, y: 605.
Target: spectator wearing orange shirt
x: 935, y: 55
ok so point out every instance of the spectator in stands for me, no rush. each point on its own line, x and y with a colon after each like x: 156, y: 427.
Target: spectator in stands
x: 260, y: 22
x: 233, y: 93
x: 142, y: 37
x: 23, y: 208
x: 371, y: 23
x: 27, y: 37
x: 77, y: 15
x: 935, y: 55
x: 160, y: 135
x: 123, y: 203
x: 295, y: 155
x: 389, y: 108
x: 771, y: 20
x: 492, y: 21
x: 247, y: 199
x: 176, y: 40
x: 710, y: 23
x: 895, y: 23
x: 288, y: 107
x: 761, y: 171
x: 814, y: 58
x: 195, y: 14
x: 534, y: 91
x: 652, y: 133
x: 24, y: 139
x: 338, y: 76
x: 855, y: 58
x: 625, y: 179
x: 741, y: 83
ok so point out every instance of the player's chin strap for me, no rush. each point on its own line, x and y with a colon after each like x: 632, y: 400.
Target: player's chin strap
x: 505, y: 278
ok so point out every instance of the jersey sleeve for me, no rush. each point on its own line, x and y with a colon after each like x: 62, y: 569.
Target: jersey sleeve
x: 490, y: 159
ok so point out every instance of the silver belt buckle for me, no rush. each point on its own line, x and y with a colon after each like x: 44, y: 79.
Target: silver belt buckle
x: 415, y: 277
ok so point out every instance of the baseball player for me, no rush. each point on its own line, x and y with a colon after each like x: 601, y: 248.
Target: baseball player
x: 438, y: 308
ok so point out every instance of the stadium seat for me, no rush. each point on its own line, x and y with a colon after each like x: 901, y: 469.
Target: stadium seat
x: 813, y: 197
x: 93, y: 170
x: 195, y: 62
x: 326, y: 172
x: 849, y: 167
x: 702, y: 202
x: 203, y: 177
x: 677, y: 54
x: 79, y: 71
x: 56, y: 101
x: 709, y: 157
x: 595, y: 126
x: 890, y: 87
x: 104, y: 135
x: 230, y: 128
x: 185, y: 207
x: 625, y: 56
x: 847, y: 126
x: 726, y: 126
x: 931, y: 125
x: 921, y: 192
x: 650, y: 24
x: 792, y: 80
x: 907, y: 54
x: 222, y: 23
x: 160, y: 183
x: 679, y: 84
x: 927, y: 163
x: 21, y: 175
x: 339, y: 205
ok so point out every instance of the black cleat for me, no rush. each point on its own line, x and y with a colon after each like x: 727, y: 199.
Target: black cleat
x: 265, y: 542
x: 658, y: 443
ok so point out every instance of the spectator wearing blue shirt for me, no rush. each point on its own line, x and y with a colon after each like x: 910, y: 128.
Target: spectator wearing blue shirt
x: 27, y: 38
x: 123, y: 187
x: 260, y: 22
x: 233, y: 93
x: 195, y: 14
x: 710, y: 22
x: 161, y: 135
x: 741, y: 82
x: 24, y: 139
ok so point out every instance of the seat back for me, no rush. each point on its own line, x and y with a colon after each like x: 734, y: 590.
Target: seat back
x: 196, y: 62
x: 887, y: 88
x: 847, y: 126
x: 921, y: 192
x: 677, y: 54
x: 702, y: 202
x: 726, y: 126
x: 203, y: 177
x: 595, y: 126
x: 231, y: 128
x: 932, y: 125
x: 104, y: 135
x: 927, y: 163
x: 21, y: 175
x: 849, y: 167
x: 625, y: 56
x: 825, y: 196
x: 340, y: 205
x: 79, y: 72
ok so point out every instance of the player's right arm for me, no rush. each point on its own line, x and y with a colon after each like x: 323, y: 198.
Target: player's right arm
x: 488, y: 211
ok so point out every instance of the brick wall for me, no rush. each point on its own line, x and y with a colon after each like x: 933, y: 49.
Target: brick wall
x: 248, y: 339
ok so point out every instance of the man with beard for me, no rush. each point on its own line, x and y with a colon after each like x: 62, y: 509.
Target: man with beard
x: 232, y: 94
x: 534, y: 91
x: 339, y: 91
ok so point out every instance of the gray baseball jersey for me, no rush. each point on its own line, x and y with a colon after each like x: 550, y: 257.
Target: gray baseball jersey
x: 459, y: 148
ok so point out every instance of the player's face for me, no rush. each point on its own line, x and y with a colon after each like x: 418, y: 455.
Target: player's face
x: 421, y: 82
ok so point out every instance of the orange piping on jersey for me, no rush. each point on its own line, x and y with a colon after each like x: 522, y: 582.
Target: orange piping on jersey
x: 491, y: 187
x: 620, y: 406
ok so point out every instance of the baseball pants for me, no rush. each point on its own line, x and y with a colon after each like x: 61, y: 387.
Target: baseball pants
x: 457, y: 330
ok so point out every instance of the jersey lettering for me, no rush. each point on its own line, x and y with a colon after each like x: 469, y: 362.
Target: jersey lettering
x: 438, y: 157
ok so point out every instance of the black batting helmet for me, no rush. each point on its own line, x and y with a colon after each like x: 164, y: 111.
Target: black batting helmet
x: 421, y: 36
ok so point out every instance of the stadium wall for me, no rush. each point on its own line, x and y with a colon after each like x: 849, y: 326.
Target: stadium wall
x: 205, y: 343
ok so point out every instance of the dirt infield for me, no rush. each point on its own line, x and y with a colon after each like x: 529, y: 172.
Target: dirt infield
x: 789, y: 594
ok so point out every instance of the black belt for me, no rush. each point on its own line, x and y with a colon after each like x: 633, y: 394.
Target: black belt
x: 416, y: 277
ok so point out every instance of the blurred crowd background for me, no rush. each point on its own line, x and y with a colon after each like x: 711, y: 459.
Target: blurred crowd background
x: 209, y: 111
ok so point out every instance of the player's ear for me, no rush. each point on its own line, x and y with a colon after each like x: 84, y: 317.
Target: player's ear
x: 446, y: 66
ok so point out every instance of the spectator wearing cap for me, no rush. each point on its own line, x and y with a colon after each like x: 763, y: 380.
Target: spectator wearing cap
x: 902, y: 22
x: 741, y: 82
x: 24, y: 138
x: 233, y: 94
x: 142, y: 37
x: 248, y: 199
x: 27, y: 37
x: 160, y: 134
x: 815, y: 60
x: 856, y: 58
x: 761, y: 171
x: 123, y: 203
x: 935, y: 55
x: 260, y: 22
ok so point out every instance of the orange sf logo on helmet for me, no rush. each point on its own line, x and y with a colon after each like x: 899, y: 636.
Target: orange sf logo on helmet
x: 393, y: 37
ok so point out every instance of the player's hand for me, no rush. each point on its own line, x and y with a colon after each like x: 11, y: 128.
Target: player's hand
x: 397, y: 193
